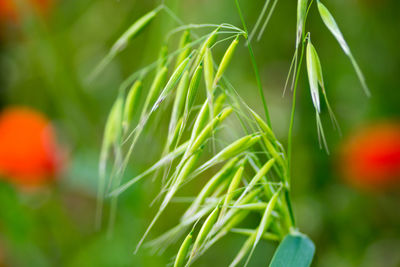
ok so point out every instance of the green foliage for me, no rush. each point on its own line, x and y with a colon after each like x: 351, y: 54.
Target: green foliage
x: 267, y: 191
x: 295, y: 250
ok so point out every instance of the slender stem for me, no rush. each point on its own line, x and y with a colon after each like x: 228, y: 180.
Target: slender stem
x: 293, y: 112
x: 294, y: 95
x: 287, y: 191
x: 292, y: 222
x: 254, y: 64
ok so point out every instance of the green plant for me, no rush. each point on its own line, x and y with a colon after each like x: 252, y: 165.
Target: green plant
x: 253, y: 170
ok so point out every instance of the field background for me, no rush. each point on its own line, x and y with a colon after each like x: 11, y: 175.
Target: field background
x: 45, y: 61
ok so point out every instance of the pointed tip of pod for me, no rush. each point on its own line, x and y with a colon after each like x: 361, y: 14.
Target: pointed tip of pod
x: 225, y: 113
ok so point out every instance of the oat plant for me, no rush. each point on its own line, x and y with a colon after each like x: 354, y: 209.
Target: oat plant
x: 244, y: 172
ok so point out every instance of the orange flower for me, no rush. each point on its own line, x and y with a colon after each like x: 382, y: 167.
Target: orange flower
x: 29, y: 154
x: 371, y: 157
x: 9, y: 8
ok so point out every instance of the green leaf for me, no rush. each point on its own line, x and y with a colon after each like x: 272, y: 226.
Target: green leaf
x: 296, y: 250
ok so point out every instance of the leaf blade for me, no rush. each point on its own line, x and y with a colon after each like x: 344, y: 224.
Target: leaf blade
x: 296, y: 250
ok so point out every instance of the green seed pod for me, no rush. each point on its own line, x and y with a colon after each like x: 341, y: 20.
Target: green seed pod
x: 232, y: 188
x: 225, y: 61
x: 131, y: 102
x: 219, y: 103
x: 232, y: 218
x: 133, y: 30
x: 175, y: 77
x: 200, y: 121
x: 237, y: 147
x: 179, y: 102
x: 230, y: 151
x: 183, y: 251
x: 220, y: 189
x: 184, y: 47
x: 322, y: 85
x: 155, y: 88
x: 181, y: 177
x: 208, y: 71
x: 312, y: 70
x: 301, y: 16
x: 162, y: 58
x: 233, y: 212
x: 217, y: 234
x: 265, y: 220
x: 260, y: 174
x: 175, y: 136
x: 193, y: 87
x: 208, y: 129
x: 122, y: 41
x: 263, y: 125
x: 271, y: 149
x: 222, y: 174
x: 206, y: 44
x: 113, y: 125
x: 331, y: 24
x: 205, y: 229
x: 270, y: 140
x: 253, y: 206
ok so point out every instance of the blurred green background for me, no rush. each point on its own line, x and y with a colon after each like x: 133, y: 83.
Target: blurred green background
x: 45, y: 62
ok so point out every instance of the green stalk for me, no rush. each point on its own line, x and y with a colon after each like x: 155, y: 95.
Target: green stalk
x: 293, y: 112
x: 294, y: 95
x: 254, y: 64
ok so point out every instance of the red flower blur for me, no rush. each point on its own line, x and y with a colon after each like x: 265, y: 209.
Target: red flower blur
x: 29, y: 154
x: 371, y: 157
x: 9, y: 8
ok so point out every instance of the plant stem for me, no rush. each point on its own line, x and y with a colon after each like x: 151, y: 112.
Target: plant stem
x: 293, y: 112
x: 294, y: 95
x: 254, y: 64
